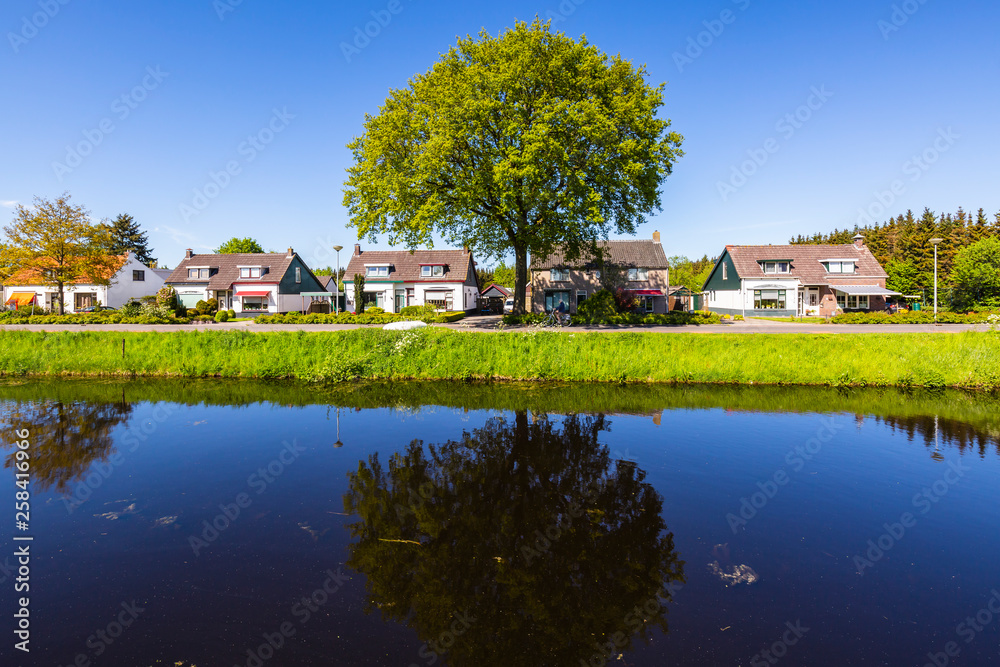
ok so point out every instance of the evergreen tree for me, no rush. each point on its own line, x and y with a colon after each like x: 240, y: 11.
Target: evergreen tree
x: 126, y: 236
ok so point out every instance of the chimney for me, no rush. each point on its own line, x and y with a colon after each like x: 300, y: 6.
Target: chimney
x: 656, y: 237
x: 465, y: 248
x: 859, y: 241
x: 291, y: 253
x: 357, y: 249
x: 187, y: 254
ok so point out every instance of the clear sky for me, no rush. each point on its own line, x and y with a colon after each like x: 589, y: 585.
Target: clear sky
x: 133, y: 106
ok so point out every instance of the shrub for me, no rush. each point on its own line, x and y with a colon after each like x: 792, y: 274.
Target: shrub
x: 597, y: 307
x: 374, y: 310
x: 201, y: 306
x: 131, y: 309
x: 222, y: 316
x: 232, y: 314
x: 213, y: 306
x: 417, y: 311
x: 193, y: 312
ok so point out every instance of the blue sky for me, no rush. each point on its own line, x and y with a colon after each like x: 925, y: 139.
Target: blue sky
x: 143, y: 107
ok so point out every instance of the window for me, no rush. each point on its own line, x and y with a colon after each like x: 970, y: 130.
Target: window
x: 725, y: 271
x: 425, y: 272
x: 638, y: 274
x: 298, y: 274
x: 254, y: 303
x: 250, y: 272
x: 776, y: 267
x: 198, y: 273
x: 839, y: 266
x: 138, y: 276
x: 854, y: 302
x: 647, y: 303
x: 581, y: 296
x: 769, y: 299
x: 559, y: 275
x: 554, y: 298
x: 596, y: 275
x: 377, y: 271
x: 440, y: 300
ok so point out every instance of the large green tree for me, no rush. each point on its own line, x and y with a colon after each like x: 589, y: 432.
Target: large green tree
x: 235, y: 246
x: 55, y: 243
x: 976, y: 276
x: 512, y: 145
x: 127, y: 236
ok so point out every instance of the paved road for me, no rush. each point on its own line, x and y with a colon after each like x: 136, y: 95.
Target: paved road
x: 490, y: 323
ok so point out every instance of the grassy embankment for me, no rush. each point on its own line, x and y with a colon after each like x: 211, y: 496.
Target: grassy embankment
x: 933, y: 360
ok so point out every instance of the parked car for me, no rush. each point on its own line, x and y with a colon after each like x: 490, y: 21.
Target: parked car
x: 508, y: 305
x: 94, y: 309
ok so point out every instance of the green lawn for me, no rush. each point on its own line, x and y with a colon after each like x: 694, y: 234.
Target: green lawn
x: 967, y: 359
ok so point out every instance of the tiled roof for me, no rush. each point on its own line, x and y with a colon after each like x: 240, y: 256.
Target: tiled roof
x: 228, y: 268
x: 33, y: 275
x: 805, y: 261
x: 327, y: 283
x: 404, y: 265
x: 642, y: 254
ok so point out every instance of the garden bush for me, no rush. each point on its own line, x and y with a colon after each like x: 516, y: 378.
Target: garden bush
x: 597, y: 307
x: 418, y: 311
x: 232, y: 314
x: 911, y: 317
x: 222, y: 316
x: 374, y: 310
x: 100, y: 317
x: 131, y: 309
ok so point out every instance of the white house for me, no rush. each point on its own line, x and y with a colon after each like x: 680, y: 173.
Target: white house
x: 249, y: 283
x: 398, y: 278
x: 131, y: 280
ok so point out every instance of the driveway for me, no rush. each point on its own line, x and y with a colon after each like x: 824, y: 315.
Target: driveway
x: 490, y: 323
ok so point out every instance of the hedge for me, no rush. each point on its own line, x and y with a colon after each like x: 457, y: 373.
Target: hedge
x: 351, y: 318
x: 912, y: 317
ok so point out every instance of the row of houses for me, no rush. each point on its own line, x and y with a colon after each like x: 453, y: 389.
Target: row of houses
x: 746, y: 280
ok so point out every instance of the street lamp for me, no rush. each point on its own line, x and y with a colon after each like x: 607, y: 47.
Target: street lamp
x: 935, y: 242
x: 336, y: 283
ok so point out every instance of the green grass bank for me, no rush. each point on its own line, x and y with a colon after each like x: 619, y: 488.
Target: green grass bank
x: 968, y: 360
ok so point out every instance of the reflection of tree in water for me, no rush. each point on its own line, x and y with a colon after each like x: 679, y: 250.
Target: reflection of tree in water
x: 524, y: 527
x: 66, y: 438
x: 937, y: 433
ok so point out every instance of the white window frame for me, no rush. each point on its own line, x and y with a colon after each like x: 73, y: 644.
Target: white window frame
x: 199, y: 272
x: 559, y: 275
x: 298, y: 274
x: 638, y: 275
x: 725, y: 271
x: 425, y: 272
x: 381, y: 271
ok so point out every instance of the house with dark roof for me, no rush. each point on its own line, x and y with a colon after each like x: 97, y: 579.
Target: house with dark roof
x: 249, y: 283
x: 493, y: 298
x: 796, y: 280
x: 555, y: 279
x: 395, y: 279
x: 126, y: 278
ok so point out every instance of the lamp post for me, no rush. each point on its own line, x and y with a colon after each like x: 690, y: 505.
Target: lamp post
x: 336, y: 283
x: 935, y: 242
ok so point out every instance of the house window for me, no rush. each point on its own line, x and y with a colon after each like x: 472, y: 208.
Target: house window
x: 581, y: 296
x: 559, y: 275
x: 377, y: 271
x: 425, y: 272
x: 725, y: 271
x: 854, y: 302
x: 198, y: 273
x: 647, y: 304
x: 440, y: 300
x: 638, y: 274
x: 138, y: 276
x: 596, y: 275
x: 250, y: 272
x: 839, y: 267
x: 769, y: 299
x: 254, y: 303
x: 776, y: 267
x: 553, y: 299
x: 298, y: 274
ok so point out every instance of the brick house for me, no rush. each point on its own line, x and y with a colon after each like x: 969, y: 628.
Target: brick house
x: 796, y: 280
x: 554, y: 279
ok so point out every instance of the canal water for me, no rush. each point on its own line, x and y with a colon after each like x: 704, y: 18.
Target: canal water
x: 239, y: 524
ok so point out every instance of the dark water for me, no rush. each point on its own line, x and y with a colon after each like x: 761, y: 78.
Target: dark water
x: 233, y: 524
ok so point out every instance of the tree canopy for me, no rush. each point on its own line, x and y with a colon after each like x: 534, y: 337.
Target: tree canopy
x: 976, y: 276
x: 127, y: 236
x: 526, y: 531
x: 516, y: 144
x: 59, y: 245
x: 235, y: 246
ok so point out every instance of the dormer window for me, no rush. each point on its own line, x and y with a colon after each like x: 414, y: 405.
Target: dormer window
x: 199, y: 273
x: 839, y: 265
x: 378, y: 271
x: 431, y: 270
x: 250, y: 272
x: 776, y: 267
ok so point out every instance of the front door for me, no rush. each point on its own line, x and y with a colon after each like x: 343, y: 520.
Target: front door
x: 400, y: 300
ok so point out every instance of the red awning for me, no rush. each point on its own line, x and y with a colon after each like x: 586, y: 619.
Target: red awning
x: 647, y: 292
x: 253, y: 294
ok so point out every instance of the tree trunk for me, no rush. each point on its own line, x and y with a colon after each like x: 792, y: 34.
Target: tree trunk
x: 62, y: 298
x: 520, y: 279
